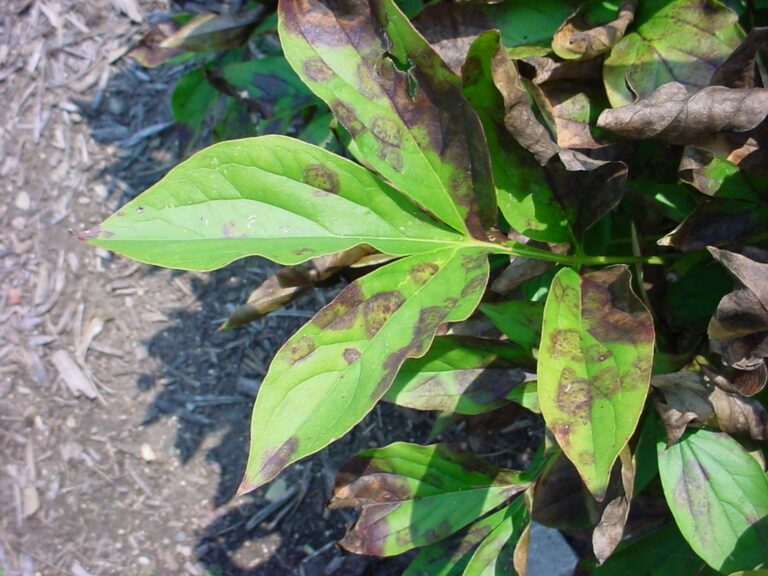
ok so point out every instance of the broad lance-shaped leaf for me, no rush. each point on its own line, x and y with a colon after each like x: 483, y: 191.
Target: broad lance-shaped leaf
x: 718, y: 494
x: 401, y: 104
x: 332, y: 372
x: 460, y: 374
x: 415, y: 495
x: 670, y: 40
x: 269, y: 196
x: 594, y: 368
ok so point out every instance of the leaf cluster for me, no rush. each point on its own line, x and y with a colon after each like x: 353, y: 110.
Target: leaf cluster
x: 560, y: 205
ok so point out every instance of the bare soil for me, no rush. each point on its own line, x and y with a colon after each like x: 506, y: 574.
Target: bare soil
x: 124, y: 413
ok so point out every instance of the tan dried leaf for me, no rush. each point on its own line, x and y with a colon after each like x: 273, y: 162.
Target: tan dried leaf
x: 675, y: 115
x: 576, y: 39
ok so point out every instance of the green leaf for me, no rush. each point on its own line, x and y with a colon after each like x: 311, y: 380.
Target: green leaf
x: 415, y: 495
x: 718, y: 494
x: 522, y: 192
x: 401, y: 104
x: 459, y: 374
x: 519, y: 320
x: 662, y: 553
x: 332, y: 372
x: 270, y: 196
x: 192, y: 97
x: 594, y: 368
x: 494, y: 555
x: 678, y: 40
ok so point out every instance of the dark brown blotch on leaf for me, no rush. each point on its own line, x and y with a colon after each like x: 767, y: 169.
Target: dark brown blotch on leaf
x: 341, y: 313
x: 317, y: 70
x: 574, y: 395
x: 300, y: 349
x: 321, y: 177
x: 351, y: 355
x: 378, y: 309
x: 275, y: 460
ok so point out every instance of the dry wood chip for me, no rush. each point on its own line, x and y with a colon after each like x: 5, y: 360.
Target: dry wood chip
x: 73, y: 376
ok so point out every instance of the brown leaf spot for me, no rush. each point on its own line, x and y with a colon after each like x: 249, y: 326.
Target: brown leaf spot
x: 275, y: 460
x: 317, y: 70
x: 348, y: 117
x: 300, y: 349
x: 351, y: 355
x: 565, y: 343
x: 386, y: 131
x: 422, y: 272
x: 477, y: 283
x: 320, y: 177
x: 303, y: 251
x: 574, y: 394
x: 342, y: 312
x: 378, y: 309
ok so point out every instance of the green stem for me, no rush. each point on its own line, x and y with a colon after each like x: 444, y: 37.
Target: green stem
x: 574, y: 260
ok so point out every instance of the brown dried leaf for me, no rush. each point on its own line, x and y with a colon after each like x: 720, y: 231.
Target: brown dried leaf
x: 577, y: 39
x: 613, y: 518
x: 739, y: 70
x: 690, y: 399
x: 717, y: 222
x: 202, y: 33
x: 675, y: 115
x: 739, y: 329
x: 290, y: 282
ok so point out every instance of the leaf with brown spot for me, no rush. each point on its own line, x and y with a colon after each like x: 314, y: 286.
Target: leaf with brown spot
x: 485, y: 544
x: 461, y: 375
x: 586, y: 35
x: 718, y: 495
x: 675, y: 114
x: 332, y: 372
x: 270, y: 196
x: 738, y: 331
x: 594, y: 368
x: 289, y: 283
x: 401, y: 104
x: 414, y: 495
x: 670, y: 40
x: 201, y: 33
x: 692, y: 400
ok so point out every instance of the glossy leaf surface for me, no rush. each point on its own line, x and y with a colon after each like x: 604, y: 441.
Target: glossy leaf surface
x: 415, y: 495
x: 401, y: 104
x: 332, y: 372
x: 594, y: 368
x: 270, y: 196
x: 718, y: 494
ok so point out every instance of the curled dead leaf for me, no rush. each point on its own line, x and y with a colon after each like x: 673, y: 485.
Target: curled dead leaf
x: 585, y: 187
x: 674, y: 114
x: 580, y: 39
x: 689, y: 398
x: 202, y: 33
x: 738, y: 331
x: 613, y: 518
